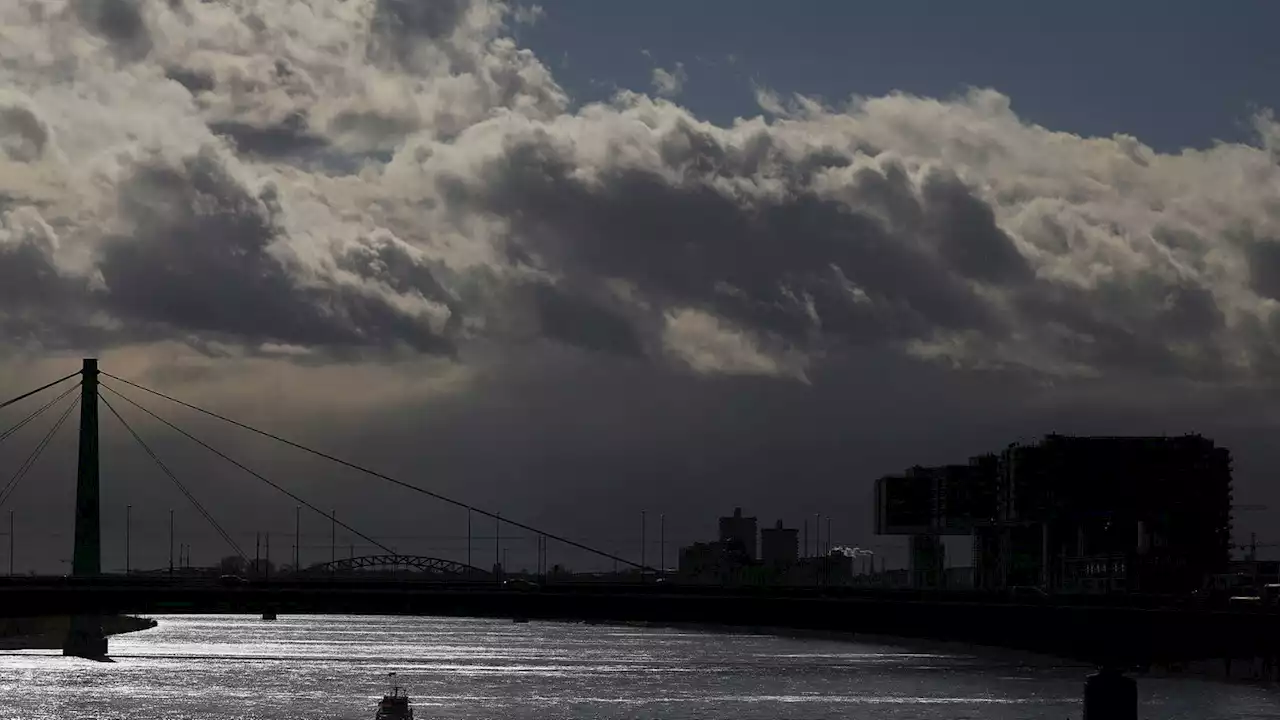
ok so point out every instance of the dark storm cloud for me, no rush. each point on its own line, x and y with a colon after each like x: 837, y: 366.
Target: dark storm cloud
x: 198, y: 258
x: 784, y: 235
x: 120, y: 22
x: 429, y: 20
x: 378, y: 129
x: 23, y: 136
x: 379, y: 260
x: 794, y: 266
x: 577, y: 320
x: 193, y: 80
x: 39, y: 303
x: 432, y: 185
x: 400, y: 27
x: 1264, y: 267
x: 386, y: 261
x: 195, y: 257
x: 28, y: 274
x: 967, y: 234
x: 283, y: 139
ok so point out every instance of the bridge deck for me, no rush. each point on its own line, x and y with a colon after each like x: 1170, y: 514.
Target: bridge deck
x: 1087, y: 632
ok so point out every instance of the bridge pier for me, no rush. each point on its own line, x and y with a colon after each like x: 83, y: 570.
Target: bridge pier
x: 85, y: 637
x: 1109, y: 695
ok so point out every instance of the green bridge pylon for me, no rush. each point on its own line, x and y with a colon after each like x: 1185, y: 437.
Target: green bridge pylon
x: 85, y: 637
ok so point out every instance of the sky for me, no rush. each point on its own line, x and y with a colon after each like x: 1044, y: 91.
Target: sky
x: 580, y: 260
x: 1174, y: 73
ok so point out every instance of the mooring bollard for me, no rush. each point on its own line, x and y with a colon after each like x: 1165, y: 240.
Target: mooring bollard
x: 1109, y: 695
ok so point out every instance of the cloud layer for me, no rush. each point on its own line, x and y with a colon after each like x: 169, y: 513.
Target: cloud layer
x: 344, y: 178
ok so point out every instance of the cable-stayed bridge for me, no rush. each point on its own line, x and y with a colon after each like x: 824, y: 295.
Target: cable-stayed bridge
x: 1129, y: 631
x: 92, y: 387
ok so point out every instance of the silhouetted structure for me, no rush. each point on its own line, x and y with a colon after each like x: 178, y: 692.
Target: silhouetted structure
x: 1144, y: 514
x: 945, y: 500
x: 1078, y: 514
x: 85, y: 637
x: 728, y: 561
x: 1121, y: 633
x: 928, y: 558
x: 713, y: 562
x: 779, y: 546
x: 929, y: 502
x: 397, y: 565
x: 1109, y: 695
x: 740, y: 530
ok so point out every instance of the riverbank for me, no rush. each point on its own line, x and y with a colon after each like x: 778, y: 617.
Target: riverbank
x: 1251, y: 670
x: 47, y: 633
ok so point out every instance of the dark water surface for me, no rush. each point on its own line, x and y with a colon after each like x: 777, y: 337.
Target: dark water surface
x: 335, y: 667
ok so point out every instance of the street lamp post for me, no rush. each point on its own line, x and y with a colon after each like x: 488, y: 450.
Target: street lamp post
x: 297, y: 538
x: 662, y: 545
x: 643, y: 543
x: 817, y: 534
x: 128, y: 516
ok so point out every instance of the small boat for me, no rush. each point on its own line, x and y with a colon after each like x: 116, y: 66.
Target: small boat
x: 269, y: 615
x: 395, y: 705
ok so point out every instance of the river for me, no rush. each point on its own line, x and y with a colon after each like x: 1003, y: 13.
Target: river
x: 320, y: 667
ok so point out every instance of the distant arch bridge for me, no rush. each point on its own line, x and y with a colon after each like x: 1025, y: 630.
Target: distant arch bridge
x: 394, y: 563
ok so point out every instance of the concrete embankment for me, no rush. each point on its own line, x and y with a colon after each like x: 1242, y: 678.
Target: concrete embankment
x: 1252, y: 669
x: 48, y: 632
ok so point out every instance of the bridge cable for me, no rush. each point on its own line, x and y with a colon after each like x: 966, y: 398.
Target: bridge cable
x: 243, y: 467
x: 40, y: 389
x: 23, y: 423
x: 12, y: 486
x: 165, y: 469
x: 380, y: 476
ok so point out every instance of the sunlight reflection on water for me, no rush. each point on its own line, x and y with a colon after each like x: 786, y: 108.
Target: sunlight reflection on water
x: 320, y: 667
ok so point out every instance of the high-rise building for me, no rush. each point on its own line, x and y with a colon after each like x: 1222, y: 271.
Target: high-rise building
x: 740, y: 530
x: 1094, y: 514
x: 1142, y: 514
x: 779, y: 546
x: 943, y: 500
